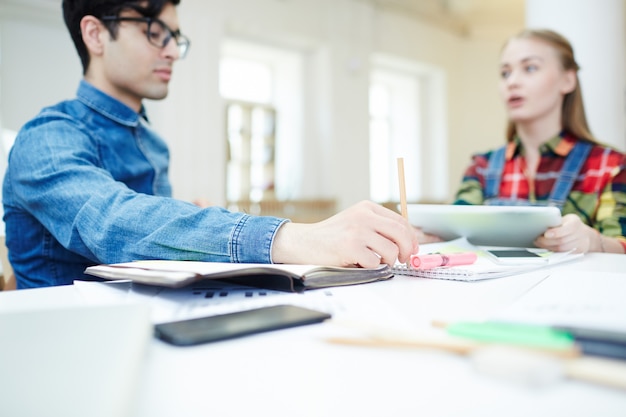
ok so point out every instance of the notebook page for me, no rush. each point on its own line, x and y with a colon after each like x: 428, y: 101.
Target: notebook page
x: 485, y: 266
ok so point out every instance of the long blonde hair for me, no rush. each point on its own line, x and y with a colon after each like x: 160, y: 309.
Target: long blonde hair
x: 573, y: 117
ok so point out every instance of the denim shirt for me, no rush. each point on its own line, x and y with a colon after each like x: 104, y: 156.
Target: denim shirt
x: 87, y: 183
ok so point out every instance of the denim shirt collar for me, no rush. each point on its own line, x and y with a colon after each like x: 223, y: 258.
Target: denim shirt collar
x: 108, y: 106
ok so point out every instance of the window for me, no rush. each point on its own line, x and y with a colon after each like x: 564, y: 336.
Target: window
x: 250, y: 135
x: 250, y: 129
x: 261, y: 87
x: 407, y: 119
x: 246, y: 79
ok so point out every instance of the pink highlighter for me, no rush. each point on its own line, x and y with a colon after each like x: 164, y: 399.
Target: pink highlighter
x: 435, y: 260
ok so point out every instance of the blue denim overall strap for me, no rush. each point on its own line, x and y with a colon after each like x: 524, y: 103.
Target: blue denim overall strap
x: 571, y: 168
x: 561, y: 189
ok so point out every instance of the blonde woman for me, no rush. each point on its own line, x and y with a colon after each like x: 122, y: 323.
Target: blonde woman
x: 551, y: 157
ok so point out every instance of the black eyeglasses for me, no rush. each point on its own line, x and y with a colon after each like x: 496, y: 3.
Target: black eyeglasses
x: 158, y: 33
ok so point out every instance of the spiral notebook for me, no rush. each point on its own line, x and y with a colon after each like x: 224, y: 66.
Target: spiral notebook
x: 484, y: 268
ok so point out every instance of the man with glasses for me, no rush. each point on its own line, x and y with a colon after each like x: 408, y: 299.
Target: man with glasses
x: 87, y: 180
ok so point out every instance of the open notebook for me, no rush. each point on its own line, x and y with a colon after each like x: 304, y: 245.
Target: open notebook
x: 284, y: 277
x: 485, y: 267
x: 72, y: 361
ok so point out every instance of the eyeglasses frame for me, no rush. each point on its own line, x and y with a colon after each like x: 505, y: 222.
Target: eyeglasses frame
x: 182, y: 42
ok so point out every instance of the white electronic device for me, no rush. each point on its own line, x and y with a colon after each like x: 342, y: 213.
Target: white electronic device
x: 510, y: 226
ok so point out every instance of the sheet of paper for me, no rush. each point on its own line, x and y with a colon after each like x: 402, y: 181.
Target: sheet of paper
x: 576, y: 298
x: 356, y: 303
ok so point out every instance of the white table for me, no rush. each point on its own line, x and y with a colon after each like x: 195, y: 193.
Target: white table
x: 297, y: 373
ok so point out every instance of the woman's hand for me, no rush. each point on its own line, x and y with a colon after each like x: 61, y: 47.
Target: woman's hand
x: 423, y: 237
x: 572, y: 234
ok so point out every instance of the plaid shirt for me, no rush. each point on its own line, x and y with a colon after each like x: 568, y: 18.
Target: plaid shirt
x: 598, y: 196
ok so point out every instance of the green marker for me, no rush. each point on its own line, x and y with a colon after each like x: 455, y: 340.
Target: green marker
x: 517, y: 334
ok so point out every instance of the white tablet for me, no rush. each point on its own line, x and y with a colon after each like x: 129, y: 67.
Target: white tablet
x: 512, y: 226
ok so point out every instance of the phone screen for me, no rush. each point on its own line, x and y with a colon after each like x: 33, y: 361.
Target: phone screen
x: 514, y: 253
x: 231, y: 325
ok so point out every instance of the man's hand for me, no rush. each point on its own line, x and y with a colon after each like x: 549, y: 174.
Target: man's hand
x: 366, y: 234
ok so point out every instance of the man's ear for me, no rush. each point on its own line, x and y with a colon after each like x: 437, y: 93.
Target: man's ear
x: 93, y: 32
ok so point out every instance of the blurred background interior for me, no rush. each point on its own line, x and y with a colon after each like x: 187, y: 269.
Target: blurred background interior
x: 299, y: 108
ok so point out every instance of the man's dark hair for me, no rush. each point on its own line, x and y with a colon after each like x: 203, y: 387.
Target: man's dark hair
x: 75, y: 10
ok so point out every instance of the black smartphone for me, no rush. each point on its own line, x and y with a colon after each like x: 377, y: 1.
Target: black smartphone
x: 227, y: 326
x: 516, y: 256
x: 513, y: 253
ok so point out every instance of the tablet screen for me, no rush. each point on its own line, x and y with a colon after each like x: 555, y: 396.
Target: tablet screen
x: 511, y: 226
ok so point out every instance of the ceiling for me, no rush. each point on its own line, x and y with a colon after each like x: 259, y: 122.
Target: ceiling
x: 459, y: 15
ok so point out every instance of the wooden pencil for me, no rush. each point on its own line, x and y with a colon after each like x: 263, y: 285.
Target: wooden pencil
x: 402, y: 184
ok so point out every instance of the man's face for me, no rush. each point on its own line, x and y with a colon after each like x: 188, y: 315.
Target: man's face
x: 131, y: 68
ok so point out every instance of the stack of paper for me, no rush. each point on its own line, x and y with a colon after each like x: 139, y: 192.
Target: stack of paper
x: 485, y: 267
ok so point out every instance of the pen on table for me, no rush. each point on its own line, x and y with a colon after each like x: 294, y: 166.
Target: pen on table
x: 546, y: 357
x: 435, y: 260
x: 452, y: 341
x: 402, y: 185
x: 502, y: 359
x: 590, y: 341
x: 608, y: 343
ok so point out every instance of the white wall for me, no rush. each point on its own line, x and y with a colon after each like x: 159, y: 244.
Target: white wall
x: 38, y: 62
x: 476, y: 117
x: 599, y: 50
x: 336, y: 37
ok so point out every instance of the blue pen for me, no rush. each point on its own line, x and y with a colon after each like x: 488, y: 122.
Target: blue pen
x: 593, y: 342
x: 596, y: 342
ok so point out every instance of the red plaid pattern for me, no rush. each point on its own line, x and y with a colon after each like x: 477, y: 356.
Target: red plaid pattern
x: 598, y: 195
